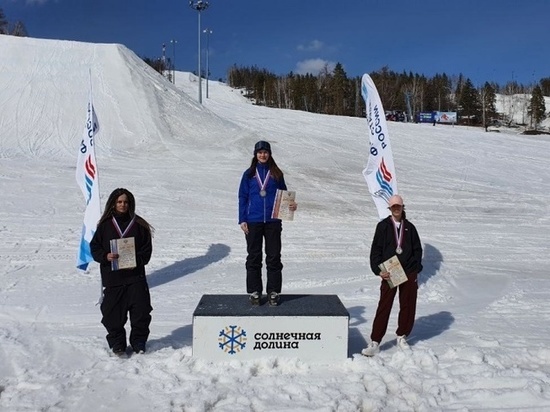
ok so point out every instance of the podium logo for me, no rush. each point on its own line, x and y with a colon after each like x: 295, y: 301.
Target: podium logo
x: 232, y: 339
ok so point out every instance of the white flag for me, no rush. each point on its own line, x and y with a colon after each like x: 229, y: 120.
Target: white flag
x: 380, y: 171
x: 88, y: 179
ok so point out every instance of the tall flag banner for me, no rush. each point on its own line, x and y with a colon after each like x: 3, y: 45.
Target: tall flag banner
x: 380, y: 170
x: 88, y: 179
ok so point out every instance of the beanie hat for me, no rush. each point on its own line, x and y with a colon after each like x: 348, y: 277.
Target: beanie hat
x: 262, y: 145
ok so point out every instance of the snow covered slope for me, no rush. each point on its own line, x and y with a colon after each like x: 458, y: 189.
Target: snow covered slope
x: 479, y: 200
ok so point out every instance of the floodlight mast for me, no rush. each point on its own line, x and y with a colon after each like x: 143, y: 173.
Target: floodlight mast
x: 174, y: 42
x: 208, y: 33
x: 199, y: 6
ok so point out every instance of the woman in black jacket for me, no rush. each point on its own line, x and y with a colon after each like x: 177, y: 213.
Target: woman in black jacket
x: 125, y: 290
x: 395, y: 236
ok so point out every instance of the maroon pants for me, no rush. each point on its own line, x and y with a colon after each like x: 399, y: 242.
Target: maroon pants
x: 407, y: 308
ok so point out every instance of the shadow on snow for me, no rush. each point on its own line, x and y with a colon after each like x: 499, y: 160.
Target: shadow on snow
x: 430, y: 326
x: 431, y: 261
x: 216, y: 252
x: 178, y: 339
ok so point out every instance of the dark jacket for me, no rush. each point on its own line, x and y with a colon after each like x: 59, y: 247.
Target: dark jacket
x: 100, y: 246
x: 384, y: 245
x: 252, y: 207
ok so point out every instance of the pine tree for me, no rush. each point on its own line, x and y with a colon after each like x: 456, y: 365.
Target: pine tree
x: 537, y: 107
x: 3, y: 23
x: 488, y: 99
x: 459, y: 81
x: 332, y: 92
x: 339, y: 90
x: 438, y: 93
x: 470, y: 103
x: 545, y: 86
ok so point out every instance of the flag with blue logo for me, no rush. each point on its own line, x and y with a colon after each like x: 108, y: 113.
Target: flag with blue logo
x: 380, y: 170
x: 87, y: 179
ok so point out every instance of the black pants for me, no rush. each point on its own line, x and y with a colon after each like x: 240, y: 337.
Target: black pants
x: 118, y: 301
x: 254, y: 241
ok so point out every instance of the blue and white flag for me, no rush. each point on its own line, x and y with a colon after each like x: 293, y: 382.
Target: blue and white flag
x: 380, y: 170
x: 88, y: 179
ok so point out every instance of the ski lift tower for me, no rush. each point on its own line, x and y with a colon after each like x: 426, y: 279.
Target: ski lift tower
x: 199, y: 5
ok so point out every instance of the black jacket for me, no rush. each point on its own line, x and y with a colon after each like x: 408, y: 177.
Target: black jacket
x: 100, y: 246
x: 384, y: 245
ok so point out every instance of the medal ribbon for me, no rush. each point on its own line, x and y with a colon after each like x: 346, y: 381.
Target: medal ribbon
x: 117, y: 227
x: 398, y: 234
x: 264, y: 183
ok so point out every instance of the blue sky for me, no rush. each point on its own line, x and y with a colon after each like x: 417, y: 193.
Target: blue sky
x: 485, y: 40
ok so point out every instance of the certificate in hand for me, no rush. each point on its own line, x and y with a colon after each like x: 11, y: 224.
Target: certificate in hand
x: 281, y: 210
x: 397, y: 273
x: 126, y: 249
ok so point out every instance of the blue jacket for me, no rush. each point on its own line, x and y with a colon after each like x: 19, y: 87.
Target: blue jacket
x: 252, y: 207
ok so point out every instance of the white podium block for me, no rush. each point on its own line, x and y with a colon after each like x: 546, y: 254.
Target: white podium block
x: 308, y: 327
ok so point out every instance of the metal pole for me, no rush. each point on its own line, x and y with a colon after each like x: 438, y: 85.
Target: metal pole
x: 173, y: 60
x: 208, y: 33
x: 199, y: 54
x: 199, y: 5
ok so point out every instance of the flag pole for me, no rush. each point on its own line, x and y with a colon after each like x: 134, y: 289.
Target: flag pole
x: 94, y: 120
x: 87, y: 178
x: 380, y: 171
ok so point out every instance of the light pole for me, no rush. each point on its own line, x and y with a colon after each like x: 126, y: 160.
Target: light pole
x: 163, y: 68
x: 208, y: 33
x: 199, y: 5
x: 174, y: 42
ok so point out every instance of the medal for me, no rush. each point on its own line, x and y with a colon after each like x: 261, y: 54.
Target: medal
x: 263, y: 185
x: 398, y: 236
x: 117, y: 227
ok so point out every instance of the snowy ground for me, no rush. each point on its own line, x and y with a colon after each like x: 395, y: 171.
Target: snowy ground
x: 479, y: 200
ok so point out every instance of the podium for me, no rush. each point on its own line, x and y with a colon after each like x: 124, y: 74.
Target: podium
x: 308, y: 327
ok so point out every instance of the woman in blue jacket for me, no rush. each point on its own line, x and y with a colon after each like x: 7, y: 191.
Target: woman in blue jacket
x: 257, y: 192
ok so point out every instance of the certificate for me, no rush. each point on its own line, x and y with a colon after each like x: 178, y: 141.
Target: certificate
x: 281, y: 208
x: 126, y: 249
x: 397, y: 273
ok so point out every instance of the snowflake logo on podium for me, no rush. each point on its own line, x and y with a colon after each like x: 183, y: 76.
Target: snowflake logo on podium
x: 232, y: 339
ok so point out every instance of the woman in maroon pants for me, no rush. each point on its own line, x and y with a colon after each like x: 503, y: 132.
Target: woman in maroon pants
x: 395, y: 236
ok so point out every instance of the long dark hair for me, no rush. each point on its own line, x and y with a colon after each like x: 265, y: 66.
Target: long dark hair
x: 110, y: 208
x: 276, y: 173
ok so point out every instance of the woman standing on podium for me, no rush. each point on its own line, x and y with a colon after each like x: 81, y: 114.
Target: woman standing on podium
x: 257, y: 192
